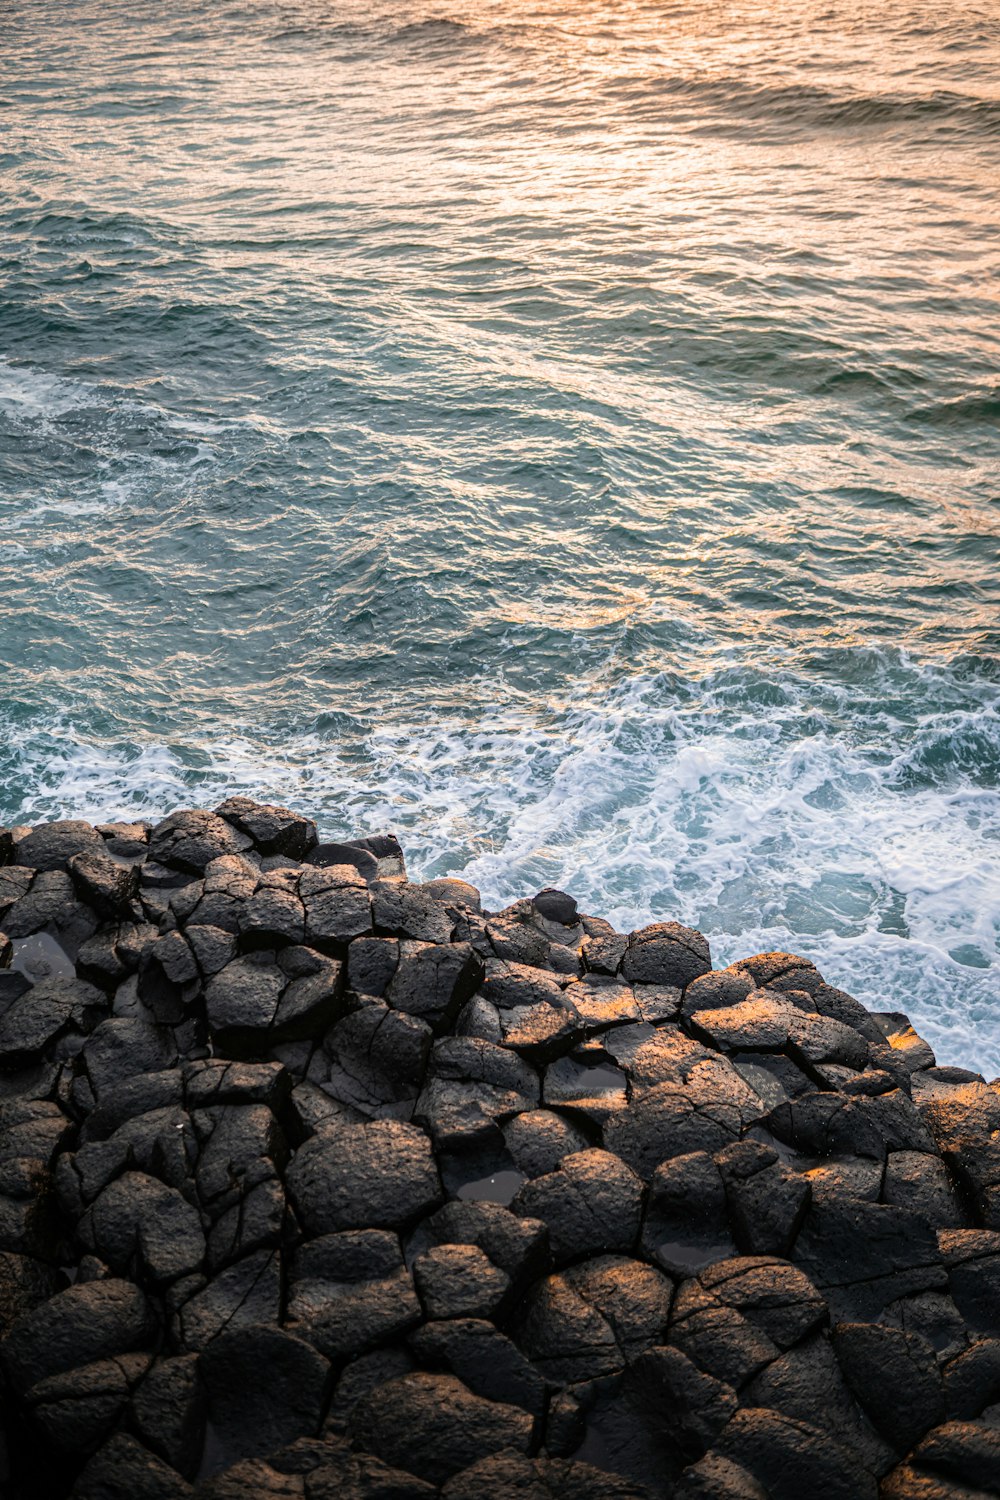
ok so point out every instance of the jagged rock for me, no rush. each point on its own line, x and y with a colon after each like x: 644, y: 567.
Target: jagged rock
x: 351, y: 1291
x: 264, y: 1387
x: 433, y: 1426
x: 459, y: 1281
x: 539, y: 1139
x: 894, y: 1376
x: 380, y: 1174
x: 671, y: 1120
x: 665, y: 953
x: 867, y: 1254
x: 79, y: 1409
x: 470, y: 1084
x: 273, y: 830
x: 964, y: 1453
x: 972, y: 1258
x: 190, y: 841
x: 168, y: 1410
x: 246, y: 1293
x: 484, y: 1359
x: 685, y: 1225
x: 433, y: 982
x: 104, y: 884
x: 337, y: 906
x: 79, y: 1326
x: 124, y: 1469
x: 519, y: 1246
x: 141, y: 1227
x: 51, y: 846
x: 790, y: 1459
x: 593, y: 1203
x: 766, y: 1201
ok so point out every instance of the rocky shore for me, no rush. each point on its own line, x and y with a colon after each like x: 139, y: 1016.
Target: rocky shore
x: 319, y: 1183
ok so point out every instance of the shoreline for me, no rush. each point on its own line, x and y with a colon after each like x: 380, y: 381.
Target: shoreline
x: 315, y: 1180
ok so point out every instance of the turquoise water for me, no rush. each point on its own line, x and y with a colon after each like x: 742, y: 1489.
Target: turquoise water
x: 566, y: 435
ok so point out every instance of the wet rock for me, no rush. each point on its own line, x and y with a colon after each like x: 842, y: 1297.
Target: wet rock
x: 555, y: 906
x: 37, y: 1020
x: 272, y: 1116
x: 451, y: 892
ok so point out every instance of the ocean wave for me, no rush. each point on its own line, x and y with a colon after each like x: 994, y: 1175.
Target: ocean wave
x: 975, y: 409
x: 801, y: 104
x: 755, y: 805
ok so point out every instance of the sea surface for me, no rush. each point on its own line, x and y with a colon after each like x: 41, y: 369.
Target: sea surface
x: 567, y: 435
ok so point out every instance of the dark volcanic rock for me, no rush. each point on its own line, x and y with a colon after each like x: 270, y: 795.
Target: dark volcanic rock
x: 433, y: 1426
x: 318, y: 1183
x: 381, y: 1174
x: 666, y: 953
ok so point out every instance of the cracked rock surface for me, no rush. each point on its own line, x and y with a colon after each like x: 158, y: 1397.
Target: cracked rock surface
x: 316, y: 1182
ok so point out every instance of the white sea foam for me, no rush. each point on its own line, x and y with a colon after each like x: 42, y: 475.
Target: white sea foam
x: 645, y: 811
x: 30, y: 393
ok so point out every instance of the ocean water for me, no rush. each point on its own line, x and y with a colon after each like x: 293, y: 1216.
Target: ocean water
x: 564, y: 434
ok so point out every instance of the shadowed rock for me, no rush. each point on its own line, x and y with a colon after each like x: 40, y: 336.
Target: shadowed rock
x: 317, y: 1182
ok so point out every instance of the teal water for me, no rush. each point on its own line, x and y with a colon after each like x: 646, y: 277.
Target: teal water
x: 565, y: 435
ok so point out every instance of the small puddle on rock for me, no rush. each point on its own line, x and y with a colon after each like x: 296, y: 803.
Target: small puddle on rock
x: 40, y: 957
x: 690, y: 1256
x: 481, y: 1178
x: 499, y: 1188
